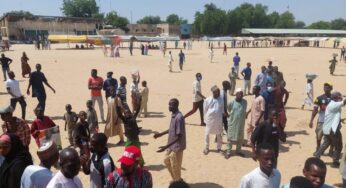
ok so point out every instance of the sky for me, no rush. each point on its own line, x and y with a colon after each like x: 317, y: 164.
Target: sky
x: 304, y: 10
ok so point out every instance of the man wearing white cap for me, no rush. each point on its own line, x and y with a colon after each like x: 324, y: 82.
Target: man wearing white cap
x: 39, y: 176
x: 213, y: 112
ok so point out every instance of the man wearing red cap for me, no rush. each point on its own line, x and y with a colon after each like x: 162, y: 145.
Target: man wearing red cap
x: 130, y: 175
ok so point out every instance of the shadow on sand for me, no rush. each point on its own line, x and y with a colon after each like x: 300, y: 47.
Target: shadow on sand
x: 205, y: 185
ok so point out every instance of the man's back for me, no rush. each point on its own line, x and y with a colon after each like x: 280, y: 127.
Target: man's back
x: 35, y: 176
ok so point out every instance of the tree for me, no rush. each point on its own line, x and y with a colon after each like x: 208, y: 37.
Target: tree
x: 20, y: 13
x: 150, y: 20
x: 80, y: 8
x: 299, y: 25
x: 339, y: 24
x: 286, y: 20
x: 112, y: 18
x: 320, y: 25
x: 175, y: 19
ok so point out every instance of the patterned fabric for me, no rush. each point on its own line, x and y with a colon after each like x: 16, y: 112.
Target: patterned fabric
x: 21, y: 129
x: 141, y: 179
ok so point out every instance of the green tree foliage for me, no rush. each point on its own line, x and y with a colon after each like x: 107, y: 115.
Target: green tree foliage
x: 112, y: 18
x: 286, y: 20
x: 175, y: 19
x: 299, y: 25
x: 80, y: 8
x: 320, y: 25
x: 19, y: 13
x: 338, y: 24
x: 150, y: 20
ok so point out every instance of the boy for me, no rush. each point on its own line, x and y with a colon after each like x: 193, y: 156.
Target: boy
x: 121, y: 91
x: 131, y: 128
x: 41, y: 122
x: 81, y: 134
x: 144, y: 92
x: 100, y: 164
x: 70, y: 119
x: 92, y: 120
x: 232, y: 78
x: 309, y: 94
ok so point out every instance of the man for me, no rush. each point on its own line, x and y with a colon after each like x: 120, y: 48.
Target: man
x: 321, y: 103
x: 281, y: 96
x: 236, y: 62
x: 39, y: 176
x: 213, y: 112
x: 181, y: 59
x: 236, y: 122
x: 129, y: 174
x: 265, y: 176
x: 176, y: 141
x: 5, y: 64
x: 198, y: 99
x: 270, y: 66
x: 233, y: 80
x: 108, y: 83
x: 332, y: 64
x: 100, y: 164
x: 331, y: 128
x: 15, y: 125
x: 261, y: 79
x: 13, y: 89
x: 269, y: 99
x: 246, y: 73
x: 277, y: 76
x: 67, y: 176
x: 37, y: 79
x: 270, y: 132
x: 144, y: 93
x: 170, y: 61
x: 95, y: 84
x: 315, y: 170
x: 256, y: 112
x: 342, y: 53
x: 225, y: 87
x: 41, y: 122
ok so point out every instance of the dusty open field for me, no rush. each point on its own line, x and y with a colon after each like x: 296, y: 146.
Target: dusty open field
x: 68, y: 71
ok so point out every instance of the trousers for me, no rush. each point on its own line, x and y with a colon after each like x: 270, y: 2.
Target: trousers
x: 100, y: 103
x: 173, y: 162
x: 197, y: 105
x: 218, y: 140
x: 22, y: 104
x: 334, y: 139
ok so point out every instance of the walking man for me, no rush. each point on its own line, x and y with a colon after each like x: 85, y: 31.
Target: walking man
x: 261, y: 79
x: 5, y: 64
x: 181, y: 59
x: 36, y: 80
x: 198, y: 99
x: 95, y: 84
x: 13, y: 89
x: 213, y: 112
x: 331, y: 128
x: 176, y: 141
x: 109, y: 83
x: 321, y: 103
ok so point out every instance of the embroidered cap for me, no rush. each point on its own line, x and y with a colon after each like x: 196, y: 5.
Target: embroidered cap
x: 130, y: 155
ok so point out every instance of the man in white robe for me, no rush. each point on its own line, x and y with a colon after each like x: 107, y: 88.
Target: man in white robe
x: 213, y: 111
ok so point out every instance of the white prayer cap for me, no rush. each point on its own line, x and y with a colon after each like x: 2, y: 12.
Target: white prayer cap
x: 214, y: 88
x: 238, y: 90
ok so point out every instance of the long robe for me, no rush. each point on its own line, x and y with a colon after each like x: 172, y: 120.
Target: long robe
x: 236, y: 119
x: 25, y: 66
x: 213, y: 111
x: 113, y: 122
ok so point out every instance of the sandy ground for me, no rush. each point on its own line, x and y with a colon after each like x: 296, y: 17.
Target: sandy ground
x: 68, y: 71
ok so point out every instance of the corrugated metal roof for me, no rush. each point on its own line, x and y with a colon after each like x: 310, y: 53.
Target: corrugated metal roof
x: 291, y: 31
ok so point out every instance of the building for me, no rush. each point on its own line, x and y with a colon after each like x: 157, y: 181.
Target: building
x: 28, y: 28
x: 185, y: 30
x: 293, y: 32
x: 154, y: 29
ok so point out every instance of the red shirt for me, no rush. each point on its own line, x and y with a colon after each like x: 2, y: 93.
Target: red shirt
x: 95, y: 82
x: 279, y: 97
x: 38, y: 124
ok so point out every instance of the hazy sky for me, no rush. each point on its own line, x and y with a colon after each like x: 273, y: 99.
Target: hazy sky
x: 306, y: 10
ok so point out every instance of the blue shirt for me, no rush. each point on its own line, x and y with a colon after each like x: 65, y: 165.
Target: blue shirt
x: 269, y: 102
x: 236, y: 60
x: 323, y: 186
x: 108, y: 83
x: 181, y: 57
x: 247, y: 73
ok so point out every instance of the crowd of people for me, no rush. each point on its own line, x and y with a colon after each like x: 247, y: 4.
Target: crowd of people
x: 263, y: 124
